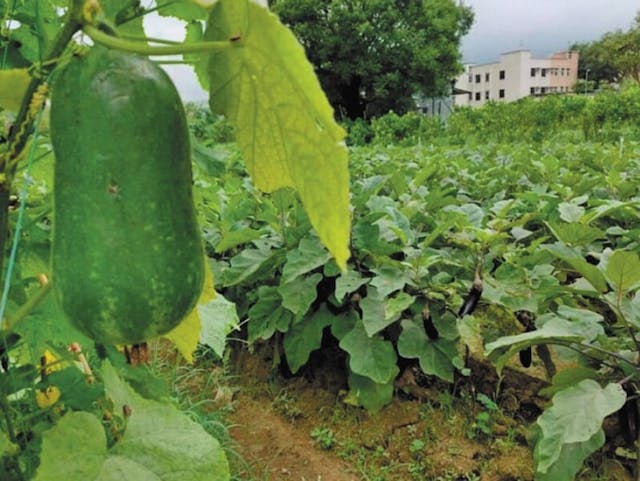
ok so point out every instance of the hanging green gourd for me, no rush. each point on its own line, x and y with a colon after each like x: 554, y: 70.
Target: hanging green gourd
x: 127, y: 258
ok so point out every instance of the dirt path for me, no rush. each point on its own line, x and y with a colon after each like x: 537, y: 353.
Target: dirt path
x: 277, y: 450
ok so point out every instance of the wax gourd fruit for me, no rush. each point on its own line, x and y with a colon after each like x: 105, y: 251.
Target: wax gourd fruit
x: 127, y: 257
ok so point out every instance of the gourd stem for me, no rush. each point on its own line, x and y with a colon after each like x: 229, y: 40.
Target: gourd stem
x: 138, y: 38
x: 141, y: 48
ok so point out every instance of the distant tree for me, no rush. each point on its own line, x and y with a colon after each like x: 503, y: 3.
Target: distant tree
x: 372, y: 55
x: 594, y: 59
x: 614, y: 57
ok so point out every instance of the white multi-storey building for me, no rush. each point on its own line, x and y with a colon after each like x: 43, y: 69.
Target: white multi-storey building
x: 517, y: 75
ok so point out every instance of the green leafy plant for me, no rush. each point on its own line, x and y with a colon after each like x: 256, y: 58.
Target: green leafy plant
x: 324, y: 437
x: 483, y: 422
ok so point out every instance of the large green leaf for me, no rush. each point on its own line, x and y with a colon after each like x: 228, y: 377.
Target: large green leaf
x: 75, y: 449
x: 570, y: 458
x: 575, y: 233
x: 305, y: 337
x: 397, y: 305
x: 556, y: 329
x: 299, y: 294
x: 372, y: 357
x: 244, y: 265
x: 589, y: 272
x: 344, y: 323
x: 575, y: 417
x: 307, y: 256
x: 284, y: 124
x: 160, y: 443
x: 349, y: 282
x: 218, y: 318
x: 437, y: 357
x: 373, y: 308
x: 268, y: 315
x: 367, y: 393
x: 570, y: 212
x: 390, y: 278
x: 623, y: 270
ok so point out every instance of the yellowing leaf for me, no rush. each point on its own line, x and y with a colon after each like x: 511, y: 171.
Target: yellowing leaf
x: 13, y: 85
x: 284, y: 124
x: 208, y: 289
x: 187, y: 334
x: 185, y: 337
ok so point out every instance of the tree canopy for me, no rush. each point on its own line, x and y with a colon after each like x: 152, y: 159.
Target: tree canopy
x: 614, y: 57
x: 372, y: 55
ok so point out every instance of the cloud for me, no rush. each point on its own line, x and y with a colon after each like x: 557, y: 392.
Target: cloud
x: 543, y: 27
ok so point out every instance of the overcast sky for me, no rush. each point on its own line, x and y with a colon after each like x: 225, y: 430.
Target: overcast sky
x: 542, y: 26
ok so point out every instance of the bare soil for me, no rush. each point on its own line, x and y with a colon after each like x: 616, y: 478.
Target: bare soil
x: 301, y: 428
x: 425, y: 433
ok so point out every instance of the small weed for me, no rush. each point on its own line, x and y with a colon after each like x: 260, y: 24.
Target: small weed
x: 324, y: 437
x: 446, y: 400
x: 285, y: 404
x: 483, y: 421
x: 416, y: 446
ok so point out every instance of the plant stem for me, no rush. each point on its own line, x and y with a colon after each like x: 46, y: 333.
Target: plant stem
x: 119, y: 43
x: 137, y: 38
x: 573, y: 346
x: 27, y: 307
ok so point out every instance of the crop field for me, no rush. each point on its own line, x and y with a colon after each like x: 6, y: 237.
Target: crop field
x: 543, y: 237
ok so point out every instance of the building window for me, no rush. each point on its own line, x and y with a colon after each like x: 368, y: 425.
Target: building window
x: 532, y: 91
x: 533, y: 72
x: 543, y: 72
x: 477, y: 95
x: 502, y: 74
x: 543, y: 90
x: 568, y: 71
x: 470, y: 97
x: 470, y: 78
x: 486, y: 95
x: 501, y: 93
x: 477, y: 78
x: 486, y: 77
